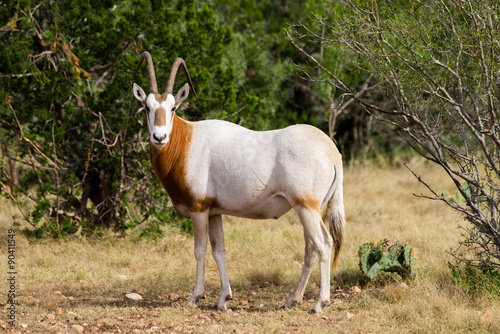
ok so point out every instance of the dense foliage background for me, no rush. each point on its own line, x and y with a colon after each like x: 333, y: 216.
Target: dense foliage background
x: 74, y: 147
x: 69, y: 125
x: 73, y: 139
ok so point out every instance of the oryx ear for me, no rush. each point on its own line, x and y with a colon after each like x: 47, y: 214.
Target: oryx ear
x: 182, y: 94
x: 139, y: 93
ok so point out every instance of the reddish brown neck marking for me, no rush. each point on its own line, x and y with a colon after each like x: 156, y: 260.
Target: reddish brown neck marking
x: 169, y: 164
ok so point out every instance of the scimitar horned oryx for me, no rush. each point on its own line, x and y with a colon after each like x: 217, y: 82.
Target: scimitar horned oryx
x: 212, y: 168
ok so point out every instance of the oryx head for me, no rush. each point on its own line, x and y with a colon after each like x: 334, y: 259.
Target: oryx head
x: 160, y: 109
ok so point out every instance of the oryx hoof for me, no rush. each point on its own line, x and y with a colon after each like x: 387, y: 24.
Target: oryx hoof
x: 193, y: 303
x: 319, y: 307
x: 194, y: 300
x: 217, y: 307
x: 289, y: 304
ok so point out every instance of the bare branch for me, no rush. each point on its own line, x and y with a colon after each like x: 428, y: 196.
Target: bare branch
x: 443, y: 100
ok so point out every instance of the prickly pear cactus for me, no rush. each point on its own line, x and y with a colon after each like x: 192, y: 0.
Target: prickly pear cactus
x: 396, y: 258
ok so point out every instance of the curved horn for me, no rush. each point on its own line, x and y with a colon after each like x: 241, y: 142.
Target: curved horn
x: 169, y: 88
x: 153, y: 87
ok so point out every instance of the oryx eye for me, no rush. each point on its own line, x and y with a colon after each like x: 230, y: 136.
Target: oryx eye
x: 147, y: 108
x: 173, y: 108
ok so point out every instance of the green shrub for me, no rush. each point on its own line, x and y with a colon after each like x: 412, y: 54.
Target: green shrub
x: 68, y: 118
x: 475, y: 281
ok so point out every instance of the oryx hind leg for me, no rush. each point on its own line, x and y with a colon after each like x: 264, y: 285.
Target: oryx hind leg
x: 320, y: 241
x: 310, y: 257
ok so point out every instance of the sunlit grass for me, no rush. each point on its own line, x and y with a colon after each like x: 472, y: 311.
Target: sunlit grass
x: 63, y: 283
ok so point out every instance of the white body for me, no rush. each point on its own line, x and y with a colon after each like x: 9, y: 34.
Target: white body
x: 211, y: 168
x: 258, y: 175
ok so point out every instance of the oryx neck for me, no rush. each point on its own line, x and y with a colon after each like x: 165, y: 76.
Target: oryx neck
x: 169, y: 162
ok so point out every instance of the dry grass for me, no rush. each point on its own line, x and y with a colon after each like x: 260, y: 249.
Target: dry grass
x: 64, y: 284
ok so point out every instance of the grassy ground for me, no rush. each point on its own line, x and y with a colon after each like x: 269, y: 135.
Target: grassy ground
x: 80, y: 286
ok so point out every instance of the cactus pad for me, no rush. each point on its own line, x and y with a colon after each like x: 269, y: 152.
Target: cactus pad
x: 396, y: 258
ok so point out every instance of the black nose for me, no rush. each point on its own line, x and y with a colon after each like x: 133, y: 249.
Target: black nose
x: 159, y: 139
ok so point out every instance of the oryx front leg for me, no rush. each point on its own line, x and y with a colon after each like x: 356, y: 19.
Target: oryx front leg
x: 321, y: 242
x: 216, y: 233
x: 200, y: 229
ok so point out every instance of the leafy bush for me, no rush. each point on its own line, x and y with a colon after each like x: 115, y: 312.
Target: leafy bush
x: 69, y: 126
x: 476, y: 281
